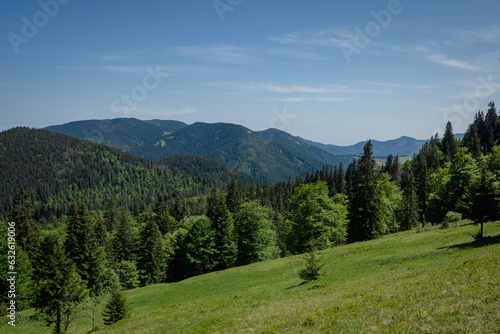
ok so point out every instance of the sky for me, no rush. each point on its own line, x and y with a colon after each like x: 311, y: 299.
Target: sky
x: 337, y: 72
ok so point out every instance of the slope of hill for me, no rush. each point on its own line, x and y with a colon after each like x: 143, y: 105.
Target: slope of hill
x: 206, y: 169
x: 236, y: 146
x: 437, y: 281
x: 301, y: 146
x: 56, y: 169
x: 121, y: 133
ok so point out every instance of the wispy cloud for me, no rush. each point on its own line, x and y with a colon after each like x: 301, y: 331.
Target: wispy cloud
x: 399, y: 85
x: 487, y: 34
x: 216, y: 53
x: 442, y: 59
x: 270, y: 87
x: 312, y: 99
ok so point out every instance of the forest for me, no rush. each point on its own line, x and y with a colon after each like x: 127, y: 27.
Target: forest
x: 109, y: 219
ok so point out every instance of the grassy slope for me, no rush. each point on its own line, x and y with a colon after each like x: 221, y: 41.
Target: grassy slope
x: 435, y: 281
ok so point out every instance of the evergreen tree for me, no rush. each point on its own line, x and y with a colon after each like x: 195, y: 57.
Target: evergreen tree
x: 222, y: 224
x: 449, y: 144
x: 340, y: 183
x: 233, y: 197
x: 83, y: 249
x: 365, y: 199
x: 396, y: 171
x: 59, y: 288
x: 116, y: 309
x: 123, y: 242
x: 166, y: 223
x: 151, y: 263
x: 111, y: 215
x: 26, y: 230
x: 409, y: 205
x: 311, y: 270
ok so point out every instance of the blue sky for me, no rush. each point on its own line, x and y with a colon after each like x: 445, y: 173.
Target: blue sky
x: 337, y: 72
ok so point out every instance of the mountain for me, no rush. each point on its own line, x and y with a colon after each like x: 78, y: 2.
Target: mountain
x: 269, y: 160
x: 167, y: 126
x: 301, y: 146
x: 121, y: 133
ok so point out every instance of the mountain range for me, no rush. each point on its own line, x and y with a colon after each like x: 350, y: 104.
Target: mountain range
x: 270, y: 155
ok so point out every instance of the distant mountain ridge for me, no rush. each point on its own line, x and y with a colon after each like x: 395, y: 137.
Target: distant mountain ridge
x: 270, y: 155
x: 260, y: 156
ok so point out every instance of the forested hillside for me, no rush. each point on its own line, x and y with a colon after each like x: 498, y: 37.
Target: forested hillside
x: 56, y: 169
x: 250, y: 152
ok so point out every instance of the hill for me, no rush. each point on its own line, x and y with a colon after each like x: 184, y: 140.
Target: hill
x: 257, y: 155
x: 437, y: 281
x: 121, y: 133
x: 206, y: 169
x: 56, y: 169
x: 167, y: 125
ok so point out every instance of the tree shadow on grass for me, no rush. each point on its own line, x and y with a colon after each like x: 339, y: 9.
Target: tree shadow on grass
x: 485, y: 241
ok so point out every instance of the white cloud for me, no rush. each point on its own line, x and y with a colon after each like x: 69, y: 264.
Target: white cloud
x: 444, y: 60
x: 215, y: 53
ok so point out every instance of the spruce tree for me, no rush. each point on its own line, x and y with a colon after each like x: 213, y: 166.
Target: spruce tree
x: 151, y: 263
x: 365, y: 201
x: 59, y: 288
x: 222, y: 224
x: 409, y: 204
x: 233, y: 197
x: 116, y: 309
x: 26, y: 230
x: 449, y: 144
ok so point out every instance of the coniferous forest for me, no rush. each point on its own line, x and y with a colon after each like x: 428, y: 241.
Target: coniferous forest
x: 91, y: 220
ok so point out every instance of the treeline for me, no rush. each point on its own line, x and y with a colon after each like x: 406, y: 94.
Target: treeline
x: 168, y: 240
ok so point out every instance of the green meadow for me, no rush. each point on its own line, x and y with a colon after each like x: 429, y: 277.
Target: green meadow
x: 428, y: 280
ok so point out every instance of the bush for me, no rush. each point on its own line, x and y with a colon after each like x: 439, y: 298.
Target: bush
x: 451, y: 217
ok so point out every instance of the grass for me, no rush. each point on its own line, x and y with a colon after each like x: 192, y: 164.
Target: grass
x: 419, y: 281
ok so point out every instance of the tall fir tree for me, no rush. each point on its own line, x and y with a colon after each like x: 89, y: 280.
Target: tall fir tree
x: 365, y: 200
x: 408, y: 212
x: 151, y: 263
x: 233, y: 197
x: 26, y: 229
x: 449, y: 144
x: 59, y: 287
x: 223, y: 225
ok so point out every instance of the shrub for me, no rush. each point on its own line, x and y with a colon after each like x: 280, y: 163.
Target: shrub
x: 451, y: 217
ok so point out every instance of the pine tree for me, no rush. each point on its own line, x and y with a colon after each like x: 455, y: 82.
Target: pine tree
x: 365, y: 200
x: 222, y: 224
x: 59, y: 288
x: 166, y: 223
x: 123, y: 240
x: 312, y: 267
x: 111, y: 215
x: 27, y: 232
x: 83, y: 249
x: 116, y: 309
x: 233, y: 197
x: 409, y: 205
x: 449, y: 144
x: 486, y: 199
x: 151, y: 264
